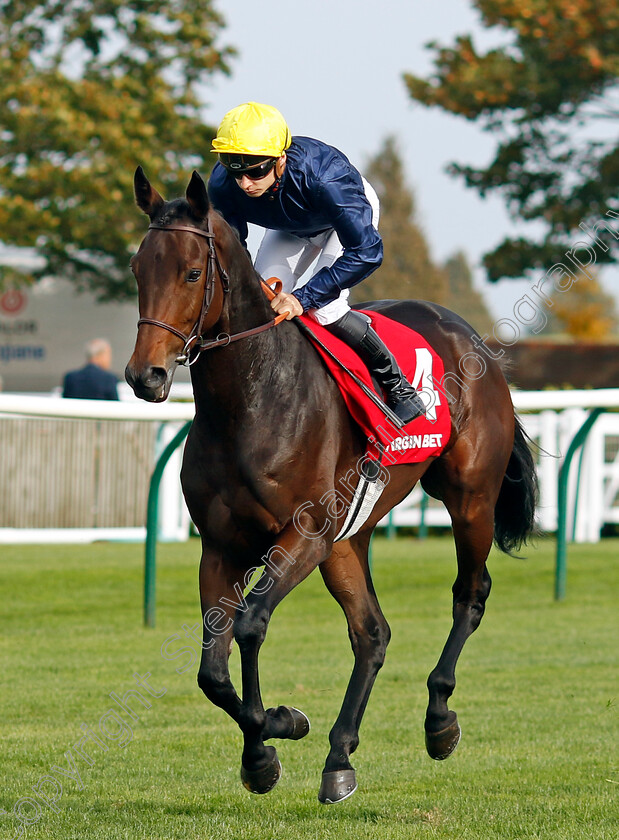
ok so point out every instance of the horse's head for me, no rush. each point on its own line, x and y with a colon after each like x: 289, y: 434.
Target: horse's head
x: 180, y: 291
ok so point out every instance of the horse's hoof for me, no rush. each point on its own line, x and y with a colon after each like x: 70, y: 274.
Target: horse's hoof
x: 300, y: 723
x: 286, y: 722
x: 336, y: 786
x: 265, y: 778
x: 441, y: 744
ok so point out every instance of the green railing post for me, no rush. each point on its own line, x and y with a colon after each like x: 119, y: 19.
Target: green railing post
x: 152, y: 516
x: 391, y: 529
x: 564, y: 474
x: 577, y: 494
x: 423, y: 525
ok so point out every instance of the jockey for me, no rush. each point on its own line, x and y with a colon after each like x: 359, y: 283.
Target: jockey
x: 314, y: 204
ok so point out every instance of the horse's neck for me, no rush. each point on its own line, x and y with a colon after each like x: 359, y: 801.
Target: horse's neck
x: 240, y: 383
x: 243, y: 389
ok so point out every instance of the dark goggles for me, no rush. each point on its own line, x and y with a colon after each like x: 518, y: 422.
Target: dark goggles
x: 254, y: 166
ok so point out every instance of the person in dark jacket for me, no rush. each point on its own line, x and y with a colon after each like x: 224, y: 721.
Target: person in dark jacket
x: 314, y: 204
x: 94, y: 381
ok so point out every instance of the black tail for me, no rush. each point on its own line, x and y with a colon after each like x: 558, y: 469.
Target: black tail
x: 514, y: 513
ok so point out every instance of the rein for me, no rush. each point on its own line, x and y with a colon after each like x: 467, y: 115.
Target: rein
x: 195, y: 336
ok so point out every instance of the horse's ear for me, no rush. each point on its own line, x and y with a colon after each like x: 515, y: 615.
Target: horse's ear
x: 146, y: 196
x: 197, y: 196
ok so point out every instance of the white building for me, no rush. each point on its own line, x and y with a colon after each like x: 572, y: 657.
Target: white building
x: 43, y: 329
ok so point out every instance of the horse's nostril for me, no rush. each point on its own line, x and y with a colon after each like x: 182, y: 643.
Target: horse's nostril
x: 148, y: 383
x: 154, y: 377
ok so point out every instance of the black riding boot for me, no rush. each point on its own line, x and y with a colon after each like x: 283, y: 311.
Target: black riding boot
x: 354, y: 329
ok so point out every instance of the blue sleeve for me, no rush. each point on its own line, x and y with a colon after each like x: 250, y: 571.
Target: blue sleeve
x: 219, y: 194
x: 344, y: 202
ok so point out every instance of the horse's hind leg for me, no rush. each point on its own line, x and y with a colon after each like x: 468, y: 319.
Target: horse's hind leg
x: 472, y: 514
x: 347, y: 577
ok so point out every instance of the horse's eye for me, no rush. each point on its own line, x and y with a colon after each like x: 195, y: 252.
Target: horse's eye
x: 193, y: 275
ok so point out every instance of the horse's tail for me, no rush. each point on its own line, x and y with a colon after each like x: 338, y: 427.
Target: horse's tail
x: 514, y: 512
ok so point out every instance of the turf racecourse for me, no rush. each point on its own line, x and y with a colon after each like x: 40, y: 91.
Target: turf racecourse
x: 537, y: 699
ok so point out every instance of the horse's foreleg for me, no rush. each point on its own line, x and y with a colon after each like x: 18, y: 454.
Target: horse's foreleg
x: 287, y: 564
x: 347, y: 577
x: 221, y: 591
x: 473, y: 536
x: 218, y: 595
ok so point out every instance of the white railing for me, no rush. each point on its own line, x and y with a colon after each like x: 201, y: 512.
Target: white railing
x: 551, y: 419
x: 80, y: 474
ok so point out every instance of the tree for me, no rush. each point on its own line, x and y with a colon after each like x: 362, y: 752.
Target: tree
x: 407, y: 270
x: 90, y: 89
x: 462, y: 297
x: 548, y: 97
x: 585, y: 313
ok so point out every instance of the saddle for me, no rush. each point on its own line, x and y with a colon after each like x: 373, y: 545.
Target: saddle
x: 423, y: 437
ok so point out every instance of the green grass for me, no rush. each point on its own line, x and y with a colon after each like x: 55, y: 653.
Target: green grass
x: 537, y: 700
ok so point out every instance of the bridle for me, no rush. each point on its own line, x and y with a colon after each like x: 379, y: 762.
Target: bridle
x: 195, y: 339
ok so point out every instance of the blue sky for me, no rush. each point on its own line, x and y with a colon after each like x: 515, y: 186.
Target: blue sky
x: 334, y: 69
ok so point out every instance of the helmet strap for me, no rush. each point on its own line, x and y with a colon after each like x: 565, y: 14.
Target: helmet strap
x: 279, y: 171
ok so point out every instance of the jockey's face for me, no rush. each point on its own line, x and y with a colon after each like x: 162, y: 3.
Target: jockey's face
x: 255, y: 187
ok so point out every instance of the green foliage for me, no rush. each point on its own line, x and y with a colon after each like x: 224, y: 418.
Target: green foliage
x: 89, y: 90
x: 536, y: 698
x: 407, y: 270
x: 11, y: 278
x: 547, y: 96
x: 462, y: 297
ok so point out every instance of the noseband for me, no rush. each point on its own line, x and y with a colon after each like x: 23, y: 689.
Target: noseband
x: 195, y: 336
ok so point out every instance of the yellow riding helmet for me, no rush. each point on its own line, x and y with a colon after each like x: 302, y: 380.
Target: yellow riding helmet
x: 252, y: 129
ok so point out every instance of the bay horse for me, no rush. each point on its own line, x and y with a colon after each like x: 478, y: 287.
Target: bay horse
x: 271, y: 437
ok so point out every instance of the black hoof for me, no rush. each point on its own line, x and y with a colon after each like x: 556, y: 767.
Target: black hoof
x: 336, y: 786
x: 300, y: 723
x: 265, y: 778
x: 441, y: 744
x: 286, y: 722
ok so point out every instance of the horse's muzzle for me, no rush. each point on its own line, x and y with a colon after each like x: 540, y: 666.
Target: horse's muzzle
x: 151, y: 384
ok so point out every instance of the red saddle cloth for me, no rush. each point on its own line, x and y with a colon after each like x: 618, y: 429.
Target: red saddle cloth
x: 421, y: 438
